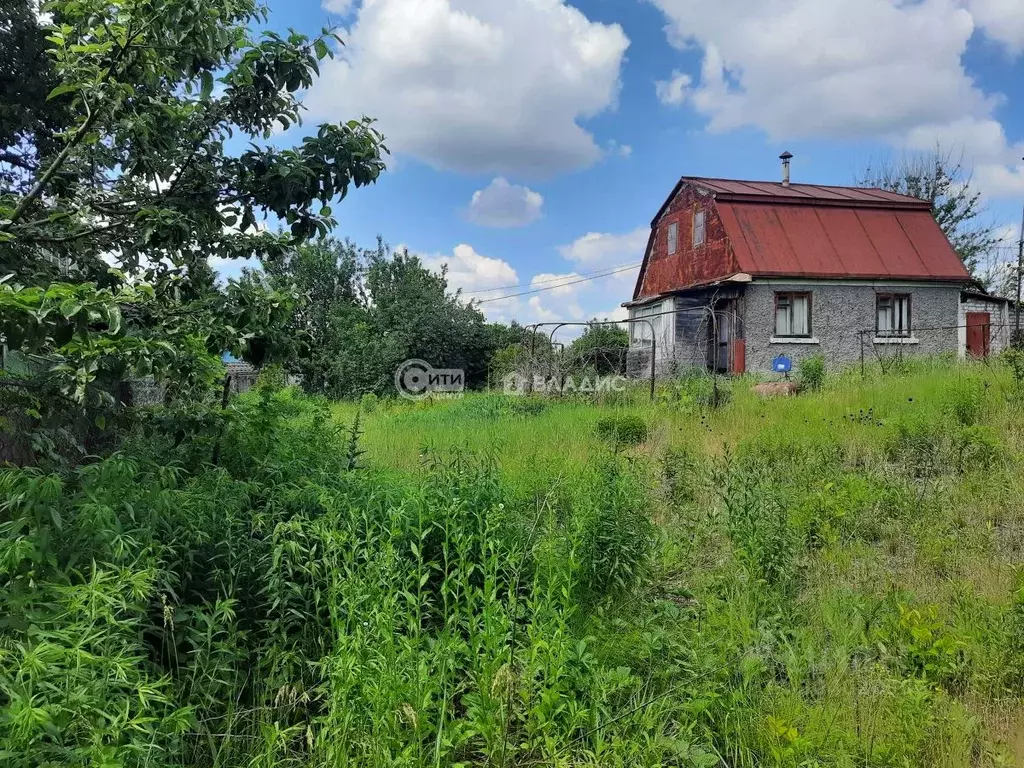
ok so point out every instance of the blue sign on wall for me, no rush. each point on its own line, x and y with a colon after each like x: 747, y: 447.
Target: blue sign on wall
x: 782, y: 364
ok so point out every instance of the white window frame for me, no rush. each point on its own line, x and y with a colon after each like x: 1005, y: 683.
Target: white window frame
x: 785, y: 300
x: 673, y: 238
x: 699, y: 227
x: 660, y: 316
x: 899, y: 319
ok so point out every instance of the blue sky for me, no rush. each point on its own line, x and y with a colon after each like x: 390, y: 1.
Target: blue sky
x: 533, y: 140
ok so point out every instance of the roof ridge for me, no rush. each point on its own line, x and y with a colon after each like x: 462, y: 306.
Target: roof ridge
x: 792, y: 184
x: 803, y: 194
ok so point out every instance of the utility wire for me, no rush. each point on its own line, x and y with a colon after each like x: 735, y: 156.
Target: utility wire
x: 553, y: 287
x: 597, y: 273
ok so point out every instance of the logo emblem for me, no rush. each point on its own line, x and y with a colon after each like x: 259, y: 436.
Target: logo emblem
x: 417, y: 379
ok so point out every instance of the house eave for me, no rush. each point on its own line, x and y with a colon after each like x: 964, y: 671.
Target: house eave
x: 739, y: 277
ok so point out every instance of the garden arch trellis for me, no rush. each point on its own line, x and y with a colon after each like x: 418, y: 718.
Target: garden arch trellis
x: 710, y: 314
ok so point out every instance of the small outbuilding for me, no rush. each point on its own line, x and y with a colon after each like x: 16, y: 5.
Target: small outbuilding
x: 985, y: 325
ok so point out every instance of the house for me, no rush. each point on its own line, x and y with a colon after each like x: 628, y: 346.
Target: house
x: 243, y: 375
x: 737, y: 273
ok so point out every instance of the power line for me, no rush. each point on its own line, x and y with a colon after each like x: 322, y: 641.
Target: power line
x: 596, y: 273
x: 553, y: 287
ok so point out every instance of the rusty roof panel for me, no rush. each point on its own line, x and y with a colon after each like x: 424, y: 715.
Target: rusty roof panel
x: 820, y: 253
x: 765, y: 236
x: 856, y: 252
x: 726, y: 189
x: 895, y: 250
x: 932, y: 245
x: 830, y: 242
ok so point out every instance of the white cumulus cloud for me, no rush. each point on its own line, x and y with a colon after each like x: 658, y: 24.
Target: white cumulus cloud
x: 674, y: 90
x: 556, y: 285
x: 470, y: 271
x: 1001, y: 20
x: 881, y: 69
x: 847, y: 68
x: 497, y: 86
x: 998, y: 164
x: 538, y: 313
x: 604, y: 250
x: 340, y: 7
x: 505, y: 205
x: 613, y: 147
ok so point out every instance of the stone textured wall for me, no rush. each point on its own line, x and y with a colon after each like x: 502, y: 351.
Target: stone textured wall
x: 838, y: 312
x: 688, y: 265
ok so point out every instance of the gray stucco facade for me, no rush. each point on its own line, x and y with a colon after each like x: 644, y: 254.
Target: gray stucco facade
x: 709, y: 323
x: 840, y: 311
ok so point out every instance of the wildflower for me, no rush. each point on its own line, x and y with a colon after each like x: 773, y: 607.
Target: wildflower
x: 408, y: 714
x: 501, y: 685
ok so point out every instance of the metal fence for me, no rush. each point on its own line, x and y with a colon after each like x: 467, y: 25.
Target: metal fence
x: 965, y: 342
x: 546, y: 364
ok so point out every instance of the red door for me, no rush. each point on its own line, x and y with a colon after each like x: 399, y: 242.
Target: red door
x: 979, y: 325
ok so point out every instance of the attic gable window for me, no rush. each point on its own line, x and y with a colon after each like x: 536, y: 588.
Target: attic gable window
x: 698, y: 228
x: 892, y: 315
x: 673, y: 238
x: 793, y: 315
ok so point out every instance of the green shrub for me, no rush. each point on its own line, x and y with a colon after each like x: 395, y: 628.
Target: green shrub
x: 1013, y: 358
x: 622, y: 429
x: 681, y: 470
x: 758, y: 523
x: 614, y: 537
x: 1013, y: 652
x: 527, y: 406
x: 271, y: 378
x: 977, y: 447
x: 964, y: 401
x: 697, y: 389
x: 368, y: 402
x: 928, y: 649
x: 917, y: 441
x: 812, y: 373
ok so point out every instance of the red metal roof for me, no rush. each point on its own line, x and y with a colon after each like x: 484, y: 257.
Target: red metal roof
x: 804, y: 194
x: 832, y: 242
x: 812, y: 231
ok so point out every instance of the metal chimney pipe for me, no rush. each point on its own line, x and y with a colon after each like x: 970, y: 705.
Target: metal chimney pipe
x: 785, y: 157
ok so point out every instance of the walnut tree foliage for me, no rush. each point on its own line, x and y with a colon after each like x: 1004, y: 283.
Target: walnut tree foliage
x: 153, y: 149
x: 941, y: 179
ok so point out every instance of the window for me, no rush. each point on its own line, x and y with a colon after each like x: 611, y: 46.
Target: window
x: 698, y: 228
x: 640, y: 333
x: 673, y: 238
x: 793, y: 314
x: 892, y: 316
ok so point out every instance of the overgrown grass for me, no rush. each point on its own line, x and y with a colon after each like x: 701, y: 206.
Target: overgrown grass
x: 832, y: 579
